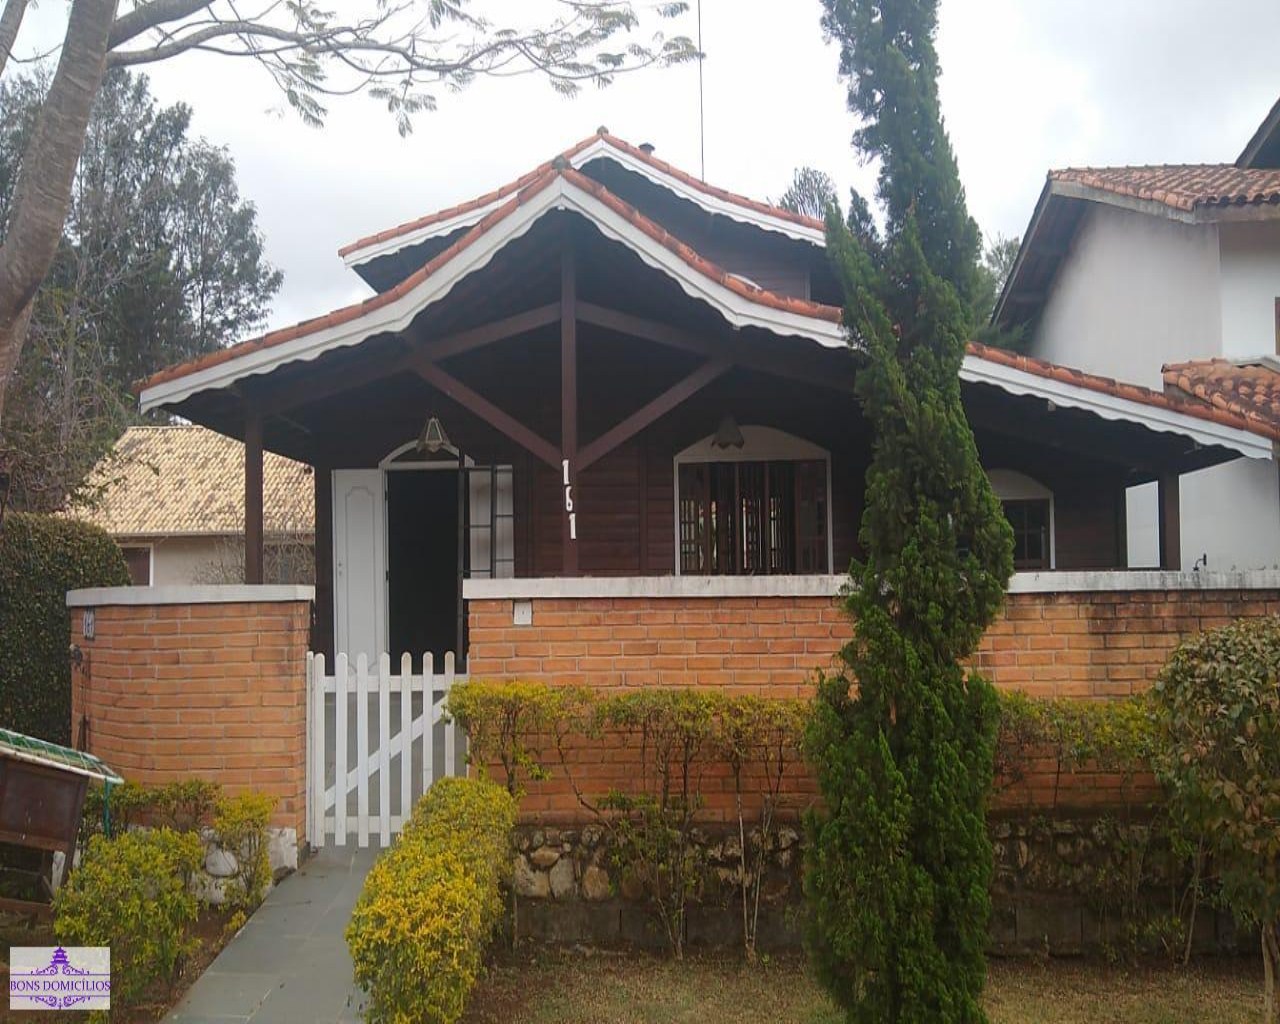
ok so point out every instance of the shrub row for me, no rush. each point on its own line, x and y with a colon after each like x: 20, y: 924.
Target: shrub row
x: 41, y: 558
x: 431, y: 903
x: 133, y: 888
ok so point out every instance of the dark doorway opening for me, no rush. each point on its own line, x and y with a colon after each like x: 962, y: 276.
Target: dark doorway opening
x: 422, y: 564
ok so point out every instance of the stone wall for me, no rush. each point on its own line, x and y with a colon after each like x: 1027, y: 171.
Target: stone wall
x: 196, y: 682
x: 1060, y: 887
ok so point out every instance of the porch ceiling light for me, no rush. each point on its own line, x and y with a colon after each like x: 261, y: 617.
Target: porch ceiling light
x: 433, y: 438
x: 728, y: 434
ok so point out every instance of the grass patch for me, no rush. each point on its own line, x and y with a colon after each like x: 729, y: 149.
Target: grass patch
x: 562, y: 987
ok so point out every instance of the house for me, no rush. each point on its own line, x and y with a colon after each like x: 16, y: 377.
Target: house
x: 173, y: 499
x: 610, y: 380
x: 1141, y: 273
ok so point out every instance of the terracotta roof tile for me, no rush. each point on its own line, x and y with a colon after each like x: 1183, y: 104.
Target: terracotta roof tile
x: 1251, y: 391
x: 1184, y: 187
x: 171, y: 481
x: 1119, y: 389
x: 620, y: 144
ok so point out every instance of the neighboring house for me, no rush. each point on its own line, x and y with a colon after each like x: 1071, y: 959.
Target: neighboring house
x: 173, y: 498
x: 1123, y: 270
x: 611, y: 369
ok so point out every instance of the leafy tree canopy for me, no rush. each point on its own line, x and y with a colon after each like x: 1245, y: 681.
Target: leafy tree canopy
x: 160, y: 260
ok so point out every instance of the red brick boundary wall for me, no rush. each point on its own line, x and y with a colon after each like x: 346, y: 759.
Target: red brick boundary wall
x: 1079, y: 635
x: 197, y: 682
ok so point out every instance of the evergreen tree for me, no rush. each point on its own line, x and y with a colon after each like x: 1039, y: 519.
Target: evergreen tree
x: 902, y: 737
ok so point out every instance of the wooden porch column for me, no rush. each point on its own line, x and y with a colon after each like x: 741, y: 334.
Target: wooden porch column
x: 253, y: 497
x: 1168, y: 518
x: 569, y: 405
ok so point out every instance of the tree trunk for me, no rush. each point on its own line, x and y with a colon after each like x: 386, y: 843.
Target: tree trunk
x: 43, y: 191
x: 1270, y: 964
x: 10, y: 22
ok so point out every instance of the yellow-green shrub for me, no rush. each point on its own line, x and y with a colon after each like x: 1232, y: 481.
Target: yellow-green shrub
x: 130, y: 893
x: 240, y: 823
x: 431, y: 903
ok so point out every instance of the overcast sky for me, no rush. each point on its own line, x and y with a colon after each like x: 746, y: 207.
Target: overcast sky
x: 1025, y: 87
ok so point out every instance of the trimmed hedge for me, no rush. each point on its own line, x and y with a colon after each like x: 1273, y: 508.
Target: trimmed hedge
x: 41, y: 558
x: 431, y: 904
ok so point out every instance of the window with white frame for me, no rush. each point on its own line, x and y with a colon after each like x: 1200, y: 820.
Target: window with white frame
x: 758, y: 507
x: 1028, y: 505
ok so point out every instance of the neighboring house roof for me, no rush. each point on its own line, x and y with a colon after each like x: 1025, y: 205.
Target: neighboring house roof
x: 1250, y: 389
x: 1185, y: 187
x: 741, y: 303
x: 602, y: 145
x: 1194, y: 193
x: 1113, y: 399
x: 1263, y: 150
x: 1187, y: 192
x: 189, y: 481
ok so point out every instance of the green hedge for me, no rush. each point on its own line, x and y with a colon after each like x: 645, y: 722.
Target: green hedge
x: 41, y: 558
x: 431, y: 903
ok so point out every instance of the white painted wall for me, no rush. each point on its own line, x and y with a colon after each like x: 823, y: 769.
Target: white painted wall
x: 1138, y: 291
x: 185, y: 560
x: 1135, y: 292
x: 1250, y: 276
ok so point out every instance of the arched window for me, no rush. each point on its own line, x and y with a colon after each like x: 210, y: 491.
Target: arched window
x: 757, y: 504
x: 1028, y: 505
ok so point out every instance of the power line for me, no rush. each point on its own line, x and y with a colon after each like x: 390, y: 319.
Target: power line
x: 702, y: 114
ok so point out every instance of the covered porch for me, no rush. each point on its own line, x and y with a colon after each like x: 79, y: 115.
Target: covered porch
x: 567, y: 391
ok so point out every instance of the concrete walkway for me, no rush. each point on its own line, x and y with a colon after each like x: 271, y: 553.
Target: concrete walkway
x: 290, y: 961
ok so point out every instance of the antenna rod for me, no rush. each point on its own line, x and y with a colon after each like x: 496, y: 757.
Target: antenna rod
x: 702, y: 115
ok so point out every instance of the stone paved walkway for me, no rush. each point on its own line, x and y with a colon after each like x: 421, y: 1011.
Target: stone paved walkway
x: 290, y: 962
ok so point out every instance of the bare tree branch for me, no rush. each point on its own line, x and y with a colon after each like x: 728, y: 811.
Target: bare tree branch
x: 148, y: 16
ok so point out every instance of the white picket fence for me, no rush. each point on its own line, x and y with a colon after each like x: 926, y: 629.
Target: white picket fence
x: 377, y: 739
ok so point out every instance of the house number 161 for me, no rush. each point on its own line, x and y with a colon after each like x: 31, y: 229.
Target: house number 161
x: 568, y: 501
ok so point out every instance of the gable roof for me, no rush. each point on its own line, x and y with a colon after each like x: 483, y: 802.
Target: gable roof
x: 599, y: 146
x: 1263, y: 149
x: 186, y: 481
x: 559, y: 188
x: 1192, y: 193
x: 1250, y: 389
x: 742, y: 304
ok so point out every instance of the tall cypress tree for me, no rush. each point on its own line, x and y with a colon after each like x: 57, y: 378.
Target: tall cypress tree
x: 902, y: 737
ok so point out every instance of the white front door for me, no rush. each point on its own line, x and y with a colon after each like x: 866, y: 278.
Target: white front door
x: 359, y: 563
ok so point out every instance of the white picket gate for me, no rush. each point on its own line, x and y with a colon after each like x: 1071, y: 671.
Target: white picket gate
x: 378, y: 738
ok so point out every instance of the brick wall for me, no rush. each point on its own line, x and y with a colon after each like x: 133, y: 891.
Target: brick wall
x: 209, y: 690
x: 1094, y: 644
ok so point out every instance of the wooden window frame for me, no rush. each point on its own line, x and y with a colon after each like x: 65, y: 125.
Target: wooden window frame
x: 766, y: 445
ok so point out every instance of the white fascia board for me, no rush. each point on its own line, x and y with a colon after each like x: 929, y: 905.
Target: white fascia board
x: 437, y: 229
x: 600, y: 149
x: 1111, y: 407
x: 737, y: 309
